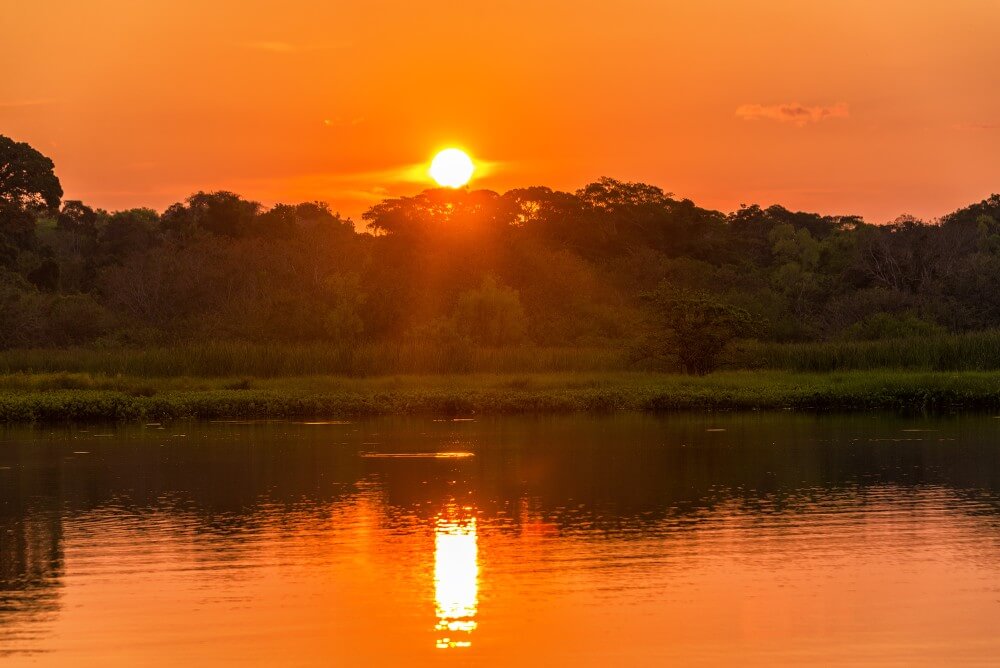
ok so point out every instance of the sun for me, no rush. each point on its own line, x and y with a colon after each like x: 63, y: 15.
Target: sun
x: 452, y: 168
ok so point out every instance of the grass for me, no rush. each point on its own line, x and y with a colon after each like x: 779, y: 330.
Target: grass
x: 88, y: 397
x: 978, y: 351
x: 218, y: 359
x: 239, y: 380
x: 975, y: 351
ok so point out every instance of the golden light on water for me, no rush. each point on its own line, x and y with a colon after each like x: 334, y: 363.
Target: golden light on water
x: 456, y: 581
x: 452, y: 168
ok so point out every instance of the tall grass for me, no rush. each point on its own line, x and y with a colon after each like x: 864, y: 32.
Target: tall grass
x: 227, y: 359
x: 223, y: 359
x: 469, y: 394
x: 978, y: 351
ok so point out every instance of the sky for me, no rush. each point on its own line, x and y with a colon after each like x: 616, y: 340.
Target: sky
x: 849, y: 107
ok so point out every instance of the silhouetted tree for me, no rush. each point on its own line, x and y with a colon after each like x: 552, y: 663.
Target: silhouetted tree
x: 286, y: 220
x: 28, y: 188
x: 221, y: 213
x: 473, y: 267
x: 78, y: 218
x: 129, y: 231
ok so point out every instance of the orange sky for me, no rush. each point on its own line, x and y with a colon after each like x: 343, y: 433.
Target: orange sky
x: 872, y: 107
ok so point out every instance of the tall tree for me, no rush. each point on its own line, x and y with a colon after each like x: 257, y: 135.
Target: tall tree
x: 693, y: 325
x: 220, y: 213
x: 28, y: 188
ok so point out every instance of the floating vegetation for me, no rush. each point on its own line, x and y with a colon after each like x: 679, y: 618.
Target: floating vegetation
x: 334, y: 400
x: 323, y: 422
x: 417, y: 455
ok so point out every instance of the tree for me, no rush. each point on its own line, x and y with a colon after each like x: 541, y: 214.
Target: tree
x: 490, y: 314
x: 283, y: 221
x: 129, y: 231
x: 22, y: 319
x: 558, y: 218
x: 694, y: 326
x: 221, y: 213
x: 78, y: 218
x: 28, y: 188
x: 613, y: 195
x: 27, y: 178
x: 441, y: 211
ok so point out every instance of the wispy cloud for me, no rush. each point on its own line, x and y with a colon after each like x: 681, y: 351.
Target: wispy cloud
x: 978, y: 126
x: 343, y: 122
x: 289, y: 47
x: 793, y: 113
x: 18, y: 104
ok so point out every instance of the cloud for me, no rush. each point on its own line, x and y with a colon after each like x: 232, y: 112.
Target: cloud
x: 18, y: 104
x: 794, y: 113
x: 288, y: 47
x: 978, y: 126
x: 342, y: 122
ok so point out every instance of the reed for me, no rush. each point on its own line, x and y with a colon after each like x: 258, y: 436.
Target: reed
x: 976, y: 351
x: 215, y: 359
x: 86, y: 397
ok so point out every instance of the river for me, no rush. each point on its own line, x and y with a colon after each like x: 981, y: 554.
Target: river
x: 692, y: 539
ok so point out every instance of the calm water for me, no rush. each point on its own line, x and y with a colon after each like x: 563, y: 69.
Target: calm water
x: 629, y: 540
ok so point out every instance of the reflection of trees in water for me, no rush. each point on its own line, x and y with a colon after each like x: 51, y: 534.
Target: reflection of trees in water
x: 225, y: 485
x: 630, y: 472
x: 31, y: 561
x: 625, y: 467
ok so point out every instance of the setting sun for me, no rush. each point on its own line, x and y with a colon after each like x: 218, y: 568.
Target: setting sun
x: 452, y: 168
x: 382, y: 332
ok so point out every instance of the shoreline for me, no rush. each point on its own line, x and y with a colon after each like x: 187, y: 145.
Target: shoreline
x: 27, y: 398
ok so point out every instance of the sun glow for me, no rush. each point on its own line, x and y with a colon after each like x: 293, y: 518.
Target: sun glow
x: 456, y: 581
x: 452, y: 168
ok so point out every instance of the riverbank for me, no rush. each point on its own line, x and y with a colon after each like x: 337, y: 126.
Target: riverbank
x: 87, y: 397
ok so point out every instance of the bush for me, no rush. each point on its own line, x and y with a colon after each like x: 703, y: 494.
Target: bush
x: 694, y: 326
x: 491, y: 314
x: 22, y: 317
x: 75, y: 319
x: 883, y: 326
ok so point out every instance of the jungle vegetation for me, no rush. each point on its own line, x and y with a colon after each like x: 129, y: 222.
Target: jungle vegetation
x: 649, y: 278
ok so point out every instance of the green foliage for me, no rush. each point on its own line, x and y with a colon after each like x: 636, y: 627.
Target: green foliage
x: 76, y: 217
x: 693, y: 325
x: 220, y: 213
x: 28, y: 188
x: 470, y: 269
x: 76, y: 319
x: 882, y: 326
x: 88, y: 398
x: 426, y: 352
x: 343, y: 321
x: 27, y: 178
x: 975, y: 351
x: 490, y: 314
x: 22, y: 320
x: 128, y: 232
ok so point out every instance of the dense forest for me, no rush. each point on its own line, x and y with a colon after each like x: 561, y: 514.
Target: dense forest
x: 537, y: 266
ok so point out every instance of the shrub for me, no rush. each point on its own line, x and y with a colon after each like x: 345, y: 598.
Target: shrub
x: 491, y: 314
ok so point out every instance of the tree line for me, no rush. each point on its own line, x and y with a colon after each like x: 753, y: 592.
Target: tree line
x: 611, y: 264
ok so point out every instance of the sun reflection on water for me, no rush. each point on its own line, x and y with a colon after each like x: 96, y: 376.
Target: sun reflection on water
x: 456, y: 579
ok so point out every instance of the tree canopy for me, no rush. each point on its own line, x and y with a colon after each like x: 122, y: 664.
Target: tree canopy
x: 28, y: 188
x: 530, y: 266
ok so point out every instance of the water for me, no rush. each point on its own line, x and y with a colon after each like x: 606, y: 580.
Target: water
x: 623, y: 540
